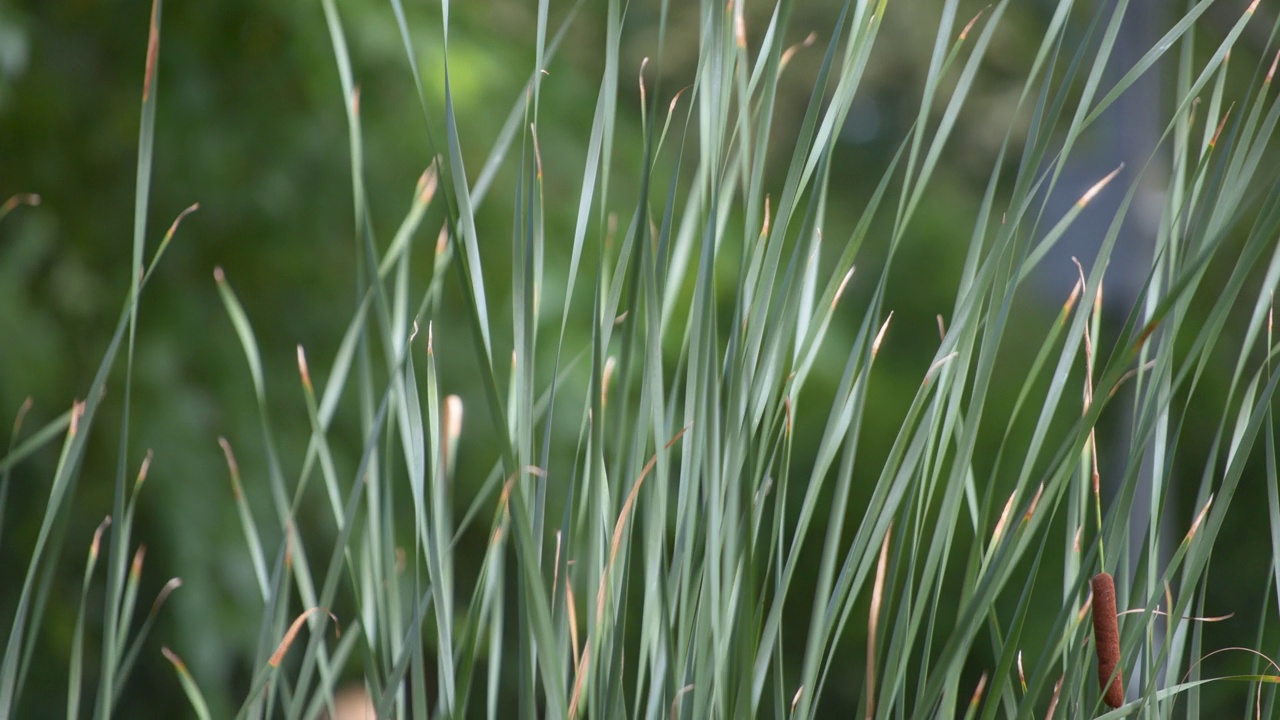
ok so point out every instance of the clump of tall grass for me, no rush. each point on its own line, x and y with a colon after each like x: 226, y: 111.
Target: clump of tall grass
x: 670, y: 554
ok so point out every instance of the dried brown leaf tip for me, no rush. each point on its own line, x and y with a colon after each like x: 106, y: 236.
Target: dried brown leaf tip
x: 427, y: 183
x: 1053, y: 701
x: 873, y: 619
x: 1221, y: 124
x: 1199, y: 519
x: 142, y: 471
x: 965, y: 32
x: 1092, y: 192
x: 97, y: 537
x: 977, y: 692
x: 292, y: 633
x: 739, y: 25
x: 135, y: 570
x: 1035, y: 502
x: 1106, y: 638
x: 19, y: 199
x: 77, y: 412
x: 174, y: 660
x: 233, y: 467
x: 153, y: 50
x: 875, y: 344
x: 790, y: 52
x: 303, y: 371
x: 840, y: 290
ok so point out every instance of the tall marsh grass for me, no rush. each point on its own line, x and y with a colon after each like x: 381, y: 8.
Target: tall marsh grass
x: 654, y: 542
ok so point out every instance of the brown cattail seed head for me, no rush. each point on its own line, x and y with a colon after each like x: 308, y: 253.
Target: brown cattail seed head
x: 1106, y: 637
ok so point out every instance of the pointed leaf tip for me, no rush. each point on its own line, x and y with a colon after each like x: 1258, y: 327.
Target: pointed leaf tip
x: 278, y: 655
x: 875, y: 344
x: 1097, y: 187
x: 840, y: 290
x: 153, y: 51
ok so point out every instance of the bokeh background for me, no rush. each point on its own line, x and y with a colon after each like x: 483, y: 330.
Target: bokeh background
x: 251, y: 125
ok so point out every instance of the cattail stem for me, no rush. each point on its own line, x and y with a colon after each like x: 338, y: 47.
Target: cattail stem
x: 1106, y: 637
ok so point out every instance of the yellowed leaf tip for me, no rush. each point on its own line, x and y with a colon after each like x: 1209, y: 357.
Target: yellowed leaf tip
x: 965, y: 32
x: 786, y: 403
x: 537, y: 149
x: 142, y: 471
x: 977, y: 692
x: 97, y: 537
x: 452, y: 418
x: 578, y: 681
x: 795, y: 700
x: 219, y: 276
x: 1097, y: 187
x: 1221, y: 124
x: 671, y: 107
x: 303, y: 371
x: 355, y: 100
x: 675, y: 701
x: 1199, y: 519
x: 77, y: 412
x: 165, y: 592
x: 232, y: 467
x: 135, y: 570
x: 292, y: 633
x: 442, y: 241
x: 1022, y: 676
x: 153, y: 50
x: 174, y: 660
x: 875, y: 344
x: 609, y: 365
x: 430, y: 338
x: 571, y: 607
x: 644, y: 63
x: 1252, y: 7
x: 427, y: 183
x: 739, y: 27
x: 1272, y: 71
x: 288, y: 539
x: 840, y: 290
x: 1084, y: 609
x: 1004, y: 518
x: 1053, y: 700
x: 19, y: 199
x: 1035, y: 502
x: 173, y: 228
x: 873, y: 616
x: 790, y: 52
x: 942, y: 327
